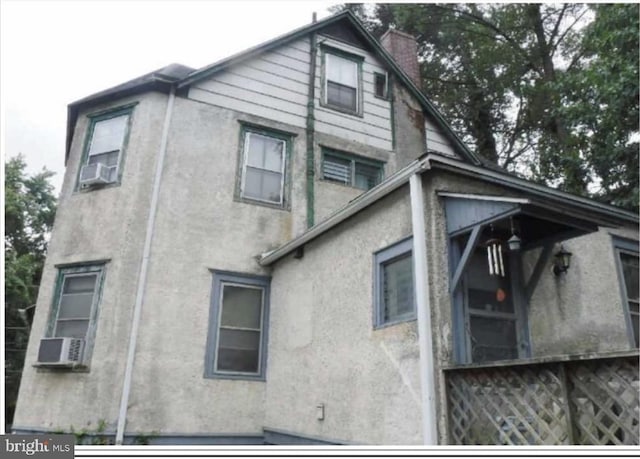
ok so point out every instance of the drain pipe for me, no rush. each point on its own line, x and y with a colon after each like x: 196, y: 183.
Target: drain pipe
x: 142, y: 278
x: 423, y: 310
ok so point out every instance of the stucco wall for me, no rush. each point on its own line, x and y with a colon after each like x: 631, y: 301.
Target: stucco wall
x: 322, y: 346
x: 580, y: 311
x: 101, y: 224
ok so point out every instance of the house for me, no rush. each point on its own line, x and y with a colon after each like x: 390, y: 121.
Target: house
x: 291, y: 246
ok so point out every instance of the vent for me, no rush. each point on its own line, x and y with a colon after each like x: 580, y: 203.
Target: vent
x: 60, y: 352
x: 95, y: 174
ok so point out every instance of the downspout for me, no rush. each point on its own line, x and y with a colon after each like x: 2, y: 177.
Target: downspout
x: 310, y: 133
x: 423, y: 310
x: 142, y: 278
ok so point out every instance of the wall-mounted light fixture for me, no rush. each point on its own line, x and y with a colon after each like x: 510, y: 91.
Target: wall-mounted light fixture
x: 562, y: 261
x: 514, y: 242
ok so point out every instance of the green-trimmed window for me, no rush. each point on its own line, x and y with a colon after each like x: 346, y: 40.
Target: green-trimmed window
x: 264, y: 166
x: 380, y: 85
x: 393, y: 284
x: 237, y: 338
x: 351, y: 170
x: 342, y: 81
x: 75, y: 304
x: 104, y: 148
x: 626, y: 252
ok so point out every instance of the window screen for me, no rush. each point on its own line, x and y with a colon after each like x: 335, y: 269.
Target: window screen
x: 75, y: 305
x: 106, y: 142
x: 263, y: 168
x: 342, y: 82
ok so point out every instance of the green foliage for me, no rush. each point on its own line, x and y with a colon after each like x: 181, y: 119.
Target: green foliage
x: 546, y: 90
x: 29, y: 212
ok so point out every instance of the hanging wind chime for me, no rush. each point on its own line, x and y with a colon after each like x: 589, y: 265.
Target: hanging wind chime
x: 494, y: 256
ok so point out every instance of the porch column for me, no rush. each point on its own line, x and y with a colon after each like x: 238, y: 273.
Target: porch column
x: 423, y: 310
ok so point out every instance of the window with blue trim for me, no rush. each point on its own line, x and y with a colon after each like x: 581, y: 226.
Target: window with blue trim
x: 239, y: 313
x: 393, y: 293
x: 626, y: 252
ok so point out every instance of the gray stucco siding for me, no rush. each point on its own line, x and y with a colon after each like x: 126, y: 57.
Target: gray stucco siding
x: 372, y: 392
x: 201, y: 226
x: 95, y: 225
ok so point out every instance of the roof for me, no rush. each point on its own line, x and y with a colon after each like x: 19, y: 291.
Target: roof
x: 584, y: 209
x: 183, y: 76
x: 158, y: 80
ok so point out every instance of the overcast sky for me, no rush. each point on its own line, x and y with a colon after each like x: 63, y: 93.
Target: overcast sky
x: 56, y: 52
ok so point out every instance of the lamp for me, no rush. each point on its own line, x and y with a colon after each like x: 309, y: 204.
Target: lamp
x: 562, y: 261
x: 514, y: 241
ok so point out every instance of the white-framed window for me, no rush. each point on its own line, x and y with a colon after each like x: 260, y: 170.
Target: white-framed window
x: 237, y: 340
x: 342, y: 81
x: 264, y: 163
x: 105, y: 146
x: 626, y: 253
x: 393, y: 292
x: 351, y: 170
x: 75, y: 304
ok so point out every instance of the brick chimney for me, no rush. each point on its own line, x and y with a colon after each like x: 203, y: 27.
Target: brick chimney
x: 404, y: 50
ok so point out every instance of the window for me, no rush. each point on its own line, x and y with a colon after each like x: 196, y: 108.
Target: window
x: 75, y: 305
x: 264, y: 160
x: 350, y: 170
x: 342, y: 81
x: 627, y: 261
x: 105, y: 145
x: 237, y: 335
x: 380, y: 85
x: 393, y: 294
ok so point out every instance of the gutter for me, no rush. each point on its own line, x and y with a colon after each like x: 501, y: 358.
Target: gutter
x: 356, y: 205
x: 423, y: 312
x: 310, y: 133
x: 142, y: 278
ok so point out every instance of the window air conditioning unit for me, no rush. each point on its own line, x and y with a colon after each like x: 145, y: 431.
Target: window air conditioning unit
x: 95, y: 174
x: 60, y: 352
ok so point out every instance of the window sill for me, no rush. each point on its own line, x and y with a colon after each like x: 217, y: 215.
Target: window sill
x: 283, y: 207
x: 236, y: 377
x: 395, y: 322
x: 89, y: 189
x: 342, y: 110
x: 345, y: 185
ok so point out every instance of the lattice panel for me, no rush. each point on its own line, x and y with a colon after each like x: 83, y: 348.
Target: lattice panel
x: 595, y: 403
x: 507, y: 406
x: 605, y: 403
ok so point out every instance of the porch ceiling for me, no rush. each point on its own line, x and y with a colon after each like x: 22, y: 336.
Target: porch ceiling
x: 535, y: 223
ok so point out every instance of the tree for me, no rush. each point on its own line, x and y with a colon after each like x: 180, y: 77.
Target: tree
x: 29, y: 212
x: 501, y: 74
x: 600, y: 102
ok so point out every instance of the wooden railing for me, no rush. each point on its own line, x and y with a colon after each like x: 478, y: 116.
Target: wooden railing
x: 579, y: 400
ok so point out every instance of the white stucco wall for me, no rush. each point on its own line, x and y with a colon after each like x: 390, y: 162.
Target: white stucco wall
x: 323, y: 348
x: 96, y: 225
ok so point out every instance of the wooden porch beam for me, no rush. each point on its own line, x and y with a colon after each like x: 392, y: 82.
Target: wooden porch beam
x: 543, y: 258
x: 466, y: 255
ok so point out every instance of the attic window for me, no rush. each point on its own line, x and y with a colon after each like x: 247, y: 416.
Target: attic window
x: 351, y: 170
x: 342, y: 81
x: 380, y: 85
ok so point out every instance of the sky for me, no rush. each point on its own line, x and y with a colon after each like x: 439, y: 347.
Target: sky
x: 55, y: 52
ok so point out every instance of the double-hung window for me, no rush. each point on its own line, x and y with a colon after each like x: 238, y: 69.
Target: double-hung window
x: 75, y: 304
x: 393, y: 293
x: 342, y: 81
x: 105, y: 146
x: 351, y: 170
x: 264, y: 163
x: 238, y: 321
x: 626, y: 253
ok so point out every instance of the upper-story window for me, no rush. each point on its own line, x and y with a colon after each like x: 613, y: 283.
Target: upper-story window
x: 264, y: 166
x: 351, y: 170
x: 626, y: 253
x: 342, y: 81
x: 380, y: 85
x: 104, y: 148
